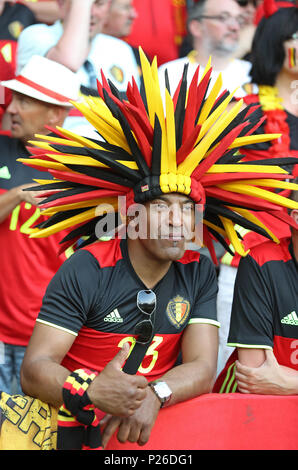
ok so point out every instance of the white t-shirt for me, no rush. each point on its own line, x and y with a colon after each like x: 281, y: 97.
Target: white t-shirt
x: 114, y: 56
x: 236, y: 74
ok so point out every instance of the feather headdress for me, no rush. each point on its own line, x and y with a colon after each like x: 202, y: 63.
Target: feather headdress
x: 149, y: 145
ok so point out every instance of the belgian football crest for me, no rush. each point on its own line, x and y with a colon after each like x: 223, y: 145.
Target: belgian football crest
x: 178, y: 310
x: 117, y: 73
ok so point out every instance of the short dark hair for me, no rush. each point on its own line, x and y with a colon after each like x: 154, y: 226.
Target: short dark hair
x: 196, y: 10
x: 268, y: 55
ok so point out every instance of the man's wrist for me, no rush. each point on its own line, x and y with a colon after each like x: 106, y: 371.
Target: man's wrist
x: 18, y: 194
x: 290, y: 384
x: 155, y: 397
x: 162, y: 391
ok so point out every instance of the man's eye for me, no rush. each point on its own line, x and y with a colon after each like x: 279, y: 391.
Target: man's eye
x: 160, y: 206
x: 188, y: 207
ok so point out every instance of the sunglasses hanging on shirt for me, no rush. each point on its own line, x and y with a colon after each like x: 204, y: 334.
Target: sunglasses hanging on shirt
x: 146, y: 303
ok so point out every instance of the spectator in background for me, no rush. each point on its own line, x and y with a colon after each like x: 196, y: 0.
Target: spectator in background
x: 273, y: 75
x: 264, y: 319
x: 119, y: 22
x: 77, y: 43
x: 14, y: 17
x: 248, y: 11
x: 215, y: 29
x: 41, y: 97
x: 6, y: 73
x: 120, y: 18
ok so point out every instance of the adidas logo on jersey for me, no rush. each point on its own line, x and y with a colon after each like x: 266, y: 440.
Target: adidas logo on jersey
x: 114, y: 317
x: 290, y: 319
x: 4, y: 173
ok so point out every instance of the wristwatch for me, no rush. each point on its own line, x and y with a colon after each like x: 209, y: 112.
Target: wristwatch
x: 161, y: 390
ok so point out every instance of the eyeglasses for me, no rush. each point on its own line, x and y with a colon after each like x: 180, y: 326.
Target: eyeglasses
x: 146, y: 303
x: 244, y: 3
x: 225, y: 18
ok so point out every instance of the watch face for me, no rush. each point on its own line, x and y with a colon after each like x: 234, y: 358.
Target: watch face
x: 163, y: 390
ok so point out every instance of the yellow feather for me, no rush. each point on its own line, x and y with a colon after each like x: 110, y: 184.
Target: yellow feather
x: 171, y: 165
x: 271, y: 183
x: 239, y: 168
x: 89, y: 161
x: 104, y: 114
x: 233, y: 237
x: 45, y: 182
x: 253, y: 139
x: 148, y: 84
x: 199, y: 152
x: 72, y: 221
x: 207, y: 68
x: 114, y: 136
x: 252, y: 218
x: 79, y: 139
x: 44, y: 164
x: 58, y: 140
x: 80, y: 205
x: 214, y: 116
x: 259, y: 193
x: 211, y: 99
x: 214, y: 227
x: 41, y: 145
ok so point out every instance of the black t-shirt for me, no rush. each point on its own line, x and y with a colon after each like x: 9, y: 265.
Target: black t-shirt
x: 94, y: 293
x: 265, y: 307
x: 12, y: 172
x: 27, y: 264
x: 265, y: 304
x: 14, y: 19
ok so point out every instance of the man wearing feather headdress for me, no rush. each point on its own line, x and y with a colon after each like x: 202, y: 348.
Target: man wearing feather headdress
x: 173, y: 161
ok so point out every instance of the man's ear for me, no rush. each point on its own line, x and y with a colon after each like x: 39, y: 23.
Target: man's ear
x: 195, y: 28
x: 57, y: 115
x: 294, y: 215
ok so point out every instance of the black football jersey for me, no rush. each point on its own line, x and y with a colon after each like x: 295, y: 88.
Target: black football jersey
x: 93, y: 296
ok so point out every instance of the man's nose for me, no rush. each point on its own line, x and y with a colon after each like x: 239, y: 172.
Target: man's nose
x: 133, y: 13
x: 176, y: 216
x: 12, y: 108
x: 234, y: 24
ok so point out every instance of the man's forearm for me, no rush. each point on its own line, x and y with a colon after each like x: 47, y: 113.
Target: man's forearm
x: 269, y: 378
x: 72, y: 48
x: 45, y: 12
x: 189, y: 380
x: 8, y: 201
x: 44, y: 379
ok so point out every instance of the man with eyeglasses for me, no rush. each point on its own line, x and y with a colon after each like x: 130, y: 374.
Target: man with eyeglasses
x: 214, y: 28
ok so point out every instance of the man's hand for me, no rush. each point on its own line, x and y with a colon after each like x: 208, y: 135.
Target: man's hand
x: 32, y: 197
x: 13, y: 197
x: 115, y: 392
x: 268, y: 379
x: 136, y: 428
